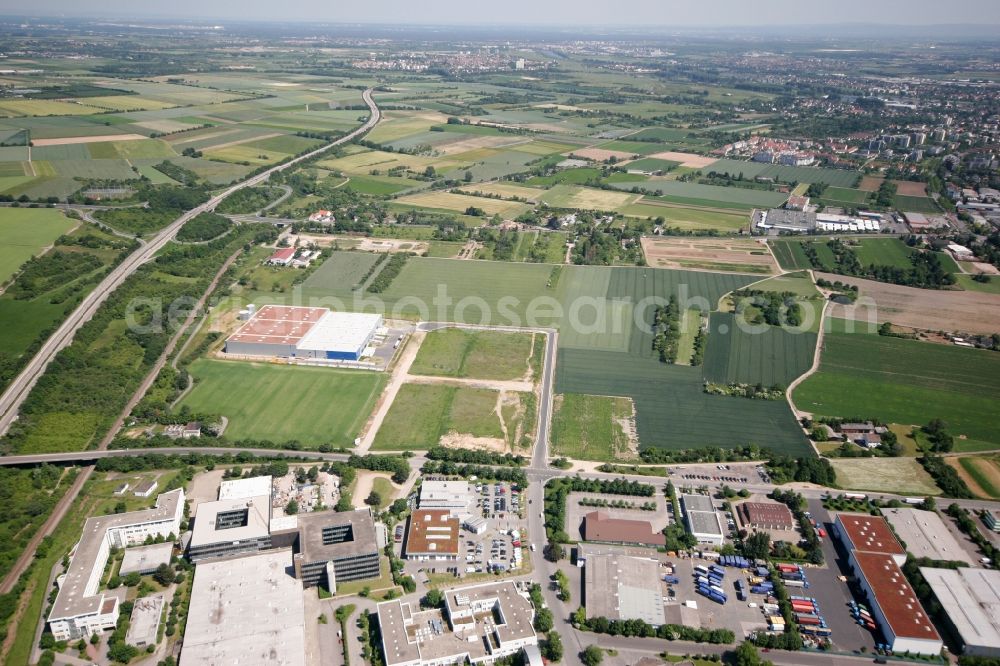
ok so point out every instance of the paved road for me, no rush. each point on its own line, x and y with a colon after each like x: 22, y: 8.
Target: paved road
x: 14, y: 396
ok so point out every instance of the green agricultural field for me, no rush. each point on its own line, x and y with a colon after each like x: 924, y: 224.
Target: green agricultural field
x: 25, y: 232
x: 690, y: 325
x: 694, y: 194
x: 455, y: 352
x: 915, y: 204
x: 832, y: 177
x: 651, y: 164
x: 985, y: 472
x: 905, y: 381
x: 589, y: 427
x: 130, y: 150
x: 475, y: 290
x: 577, y: 176
x: 283, y: 403
x: 903, y: 476
x: 741, y: 353
x: 673, y: 411
x: 688, y: 218
x: 340, y: 273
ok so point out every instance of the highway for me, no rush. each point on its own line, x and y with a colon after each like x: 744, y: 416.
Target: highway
x: 20, y: 387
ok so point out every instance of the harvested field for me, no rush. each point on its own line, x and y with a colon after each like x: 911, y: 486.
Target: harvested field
x: 478, y: 142
x: 909, y: 188
x: 67, y: 140
x: 573, y: 196
x: 505, y: 190
x: 927, y: 309
x: 870, y: 183
x: 891, y: 475
x: 717, y: 254
x: 599, y: 154
x: 686, y: 159
x: 460, y: 203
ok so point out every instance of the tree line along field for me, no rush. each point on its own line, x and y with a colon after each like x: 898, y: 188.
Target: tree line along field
x: 456, y: 352
x: 278, y: 403
x: 905, y: 381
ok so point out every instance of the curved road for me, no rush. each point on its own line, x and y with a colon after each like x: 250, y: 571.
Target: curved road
x: 14, y: 396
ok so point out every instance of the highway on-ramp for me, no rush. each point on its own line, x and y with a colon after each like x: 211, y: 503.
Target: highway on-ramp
x: 20, y: 387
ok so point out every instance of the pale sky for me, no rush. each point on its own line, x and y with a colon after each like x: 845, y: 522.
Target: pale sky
x: 537, y: 12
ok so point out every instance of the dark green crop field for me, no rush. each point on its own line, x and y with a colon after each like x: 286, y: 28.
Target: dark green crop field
x: 773, y: 356
x: 672, y: 410
x: 907, y: 382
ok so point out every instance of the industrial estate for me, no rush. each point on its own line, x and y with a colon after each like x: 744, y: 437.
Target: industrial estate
x: 425, y: 346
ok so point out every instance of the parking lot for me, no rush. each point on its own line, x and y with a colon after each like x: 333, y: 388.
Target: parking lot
x: 731, y: 473
x: 498, y: 548
x: 832, y: 593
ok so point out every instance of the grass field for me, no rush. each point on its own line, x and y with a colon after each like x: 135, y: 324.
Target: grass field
x: 798, y: 283
x: 845, y: 194
x: 884, y: 252
x: 903, y: 476
x: 455, y: 352
x: 282, y: 403
x: 25, y: 233
x: 588, y: 427
x: 423, y: 414
x: 690, y: 325
x: 991, y: 287
x: 905, y: 381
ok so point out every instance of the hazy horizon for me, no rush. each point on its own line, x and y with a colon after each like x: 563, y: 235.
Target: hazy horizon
x: 650, y: 13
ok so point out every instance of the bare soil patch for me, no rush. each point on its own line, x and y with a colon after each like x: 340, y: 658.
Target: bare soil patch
x: 392, y: 245
x: 928, y: 309
x: 976, y: 489
x: 678, y: 252
x: 457, y: 440
x: 981, y: 267
x: 870, y: 183
x: 67, y: 140
x: 909, y: 188
x: 599, y: 154
x: 686, y: 159
x: 478, y: 142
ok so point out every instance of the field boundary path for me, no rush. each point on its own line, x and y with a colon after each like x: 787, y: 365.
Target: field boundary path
x: 17, y: 392
x: 817, y: 354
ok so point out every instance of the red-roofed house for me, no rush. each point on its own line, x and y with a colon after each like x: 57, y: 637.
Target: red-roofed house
x: 282, y: 257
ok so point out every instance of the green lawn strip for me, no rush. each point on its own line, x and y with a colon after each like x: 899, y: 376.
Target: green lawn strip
x: 282, y: 403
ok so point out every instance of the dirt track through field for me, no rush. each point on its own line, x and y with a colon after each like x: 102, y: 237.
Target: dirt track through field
x: 927, y: 309
x: 68, y: 140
